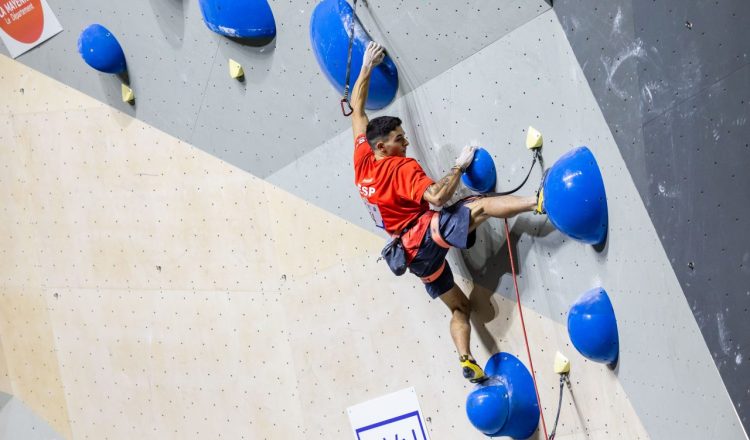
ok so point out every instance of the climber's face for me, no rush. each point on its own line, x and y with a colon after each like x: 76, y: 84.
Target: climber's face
x: 395, y: 144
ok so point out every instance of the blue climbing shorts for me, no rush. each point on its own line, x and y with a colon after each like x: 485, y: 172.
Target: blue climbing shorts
x: 430, y: 259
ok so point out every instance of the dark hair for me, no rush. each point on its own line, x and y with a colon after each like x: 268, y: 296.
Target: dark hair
x: 380, y: 127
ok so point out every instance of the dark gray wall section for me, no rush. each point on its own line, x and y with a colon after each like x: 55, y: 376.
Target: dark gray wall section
x: 673, y: 81
x: 698, y: 156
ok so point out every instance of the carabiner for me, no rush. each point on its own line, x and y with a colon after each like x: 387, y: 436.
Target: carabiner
x: 343, y: 109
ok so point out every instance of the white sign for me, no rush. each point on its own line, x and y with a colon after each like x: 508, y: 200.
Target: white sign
x: 26, y: 23
x: 395, y: 416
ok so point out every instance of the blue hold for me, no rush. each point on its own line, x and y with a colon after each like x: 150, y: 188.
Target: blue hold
x: 329, y: 35
x: 241, y: 19
x: 487, y: 406
x: 481, y: 174
x: 593, y: 328
x: 505, y: 405
x: 574, y: 197
x: 101, y: 50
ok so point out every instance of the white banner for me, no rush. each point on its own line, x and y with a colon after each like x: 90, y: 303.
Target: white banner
x: 395, y: 416
x: 26, y: 23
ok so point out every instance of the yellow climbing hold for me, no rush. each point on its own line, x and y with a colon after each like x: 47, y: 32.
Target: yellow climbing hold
x: 562, y: 364
x: 533, y: 138
x: 127, y: 94
x: 235, y: 69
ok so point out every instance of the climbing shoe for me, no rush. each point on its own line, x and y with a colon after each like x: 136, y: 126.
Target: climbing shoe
x: 472, y: 371
x: 539, y: 209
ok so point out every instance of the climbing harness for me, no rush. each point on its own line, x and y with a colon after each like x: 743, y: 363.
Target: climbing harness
x: 345, y: 99
x: 523, y: 325
x: 563, y: 380
x: 437, y: 237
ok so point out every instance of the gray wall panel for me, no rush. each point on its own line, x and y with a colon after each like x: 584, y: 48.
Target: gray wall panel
x: 168, y: 74
x: 282, y: 109
x: 17, y: 421
x: 178, y: 68
x: 427, y: 38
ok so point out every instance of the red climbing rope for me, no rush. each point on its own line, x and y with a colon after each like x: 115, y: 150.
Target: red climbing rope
x: 523, y: 325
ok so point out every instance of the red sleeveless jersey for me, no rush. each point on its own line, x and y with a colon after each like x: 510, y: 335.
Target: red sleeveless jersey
x: 392, y: 190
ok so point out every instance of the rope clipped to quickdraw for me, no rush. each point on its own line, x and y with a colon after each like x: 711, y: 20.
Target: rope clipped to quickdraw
x: 345, y: 99
x: 563, y: 380
x: 537, y: 155
x: 523, y: 326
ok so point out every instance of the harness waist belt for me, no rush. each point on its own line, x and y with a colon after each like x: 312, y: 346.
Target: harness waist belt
x: 437, y: 237
x: 435, y: 275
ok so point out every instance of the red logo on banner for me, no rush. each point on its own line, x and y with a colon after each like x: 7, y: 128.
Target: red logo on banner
x: 22, y: 19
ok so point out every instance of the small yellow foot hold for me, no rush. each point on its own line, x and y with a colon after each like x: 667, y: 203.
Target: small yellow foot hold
x: 562, y: 364
x: 533, y: 138
x: 127, y: 94
x: 235, y: 69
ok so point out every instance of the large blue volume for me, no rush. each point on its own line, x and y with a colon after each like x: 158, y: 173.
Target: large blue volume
x: 593, y: 328
x: 480, y: 175
x: 101, y: 50
x: 574, y: 197
x: 243, y: 19
x: 505, y: 405
x: 329, y: 35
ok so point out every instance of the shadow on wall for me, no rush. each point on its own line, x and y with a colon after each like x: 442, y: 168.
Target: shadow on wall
x: 255, y: 42
x: 487, y: 263
x: 582, y: 419
x: 4, y: 399
x: 111, y: 85
x: 170, y: 15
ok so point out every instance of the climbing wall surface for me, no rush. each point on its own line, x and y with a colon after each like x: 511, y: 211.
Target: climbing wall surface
x: 673, y: 82
x: 474, y: 102
x: 151, y: 290
x: 178, y: 69
x: 152, y: 277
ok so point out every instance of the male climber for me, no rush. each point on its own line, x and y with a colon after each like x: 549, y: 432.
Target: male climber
x: 398, y: 195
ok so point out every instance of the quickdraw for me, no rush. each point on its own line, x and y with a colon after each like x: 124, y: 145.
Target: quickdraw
x: 345, y: 99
